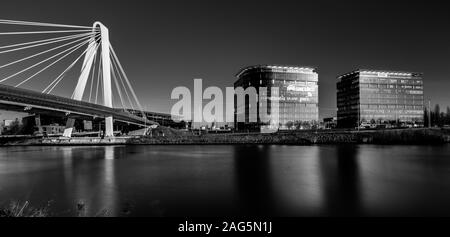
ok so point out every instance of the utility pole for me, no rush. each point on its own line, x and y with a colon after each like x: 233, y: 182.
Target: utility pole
x: 429, y: 113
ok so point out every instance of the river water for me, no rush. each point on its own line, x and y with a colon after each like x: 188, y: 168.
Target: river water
x: 230, y: 180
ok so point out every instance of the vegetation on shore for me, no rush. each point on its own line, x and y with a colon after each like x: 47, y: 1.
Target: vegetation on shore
x: 387, y: 136
x: 19, y: 209
x: 407, y: 136
x: 169, y: 136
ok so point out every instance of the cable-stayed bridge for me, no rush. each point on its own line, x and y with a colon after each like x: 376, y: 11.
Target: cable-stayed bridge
x: 37, y: 61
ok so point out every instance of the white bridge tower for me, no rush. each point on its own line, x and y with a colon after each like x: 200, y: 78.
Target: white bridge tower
x: 106, y: 75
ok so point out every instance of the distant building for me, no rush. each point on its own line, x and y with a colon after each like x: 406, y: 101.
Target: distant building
x: 330, y: 123
x: 52, y: 129
x: 10, y: 126
x: 298, y: 96
x: 380, y: 98
x: 87, y: 125
x: 6, y: 125
x: 8, y: 122
x: 162, y: 119
x: 43, y: 124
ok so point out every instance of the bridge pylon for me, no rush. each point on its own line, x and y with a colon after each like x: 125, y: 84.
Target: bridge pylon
x: 106, y: 75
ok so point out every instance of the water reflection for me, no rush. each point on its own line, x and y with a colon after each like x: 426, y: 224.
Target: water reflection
x: 253, y: 180
x: 340, y: 174
x: 296, y: 180
x: 245, y: 180
x: 93, y: 193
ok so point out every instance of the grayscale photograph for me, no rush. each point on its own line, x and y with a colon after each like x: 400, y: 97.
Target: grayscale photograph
x: 224, y: 116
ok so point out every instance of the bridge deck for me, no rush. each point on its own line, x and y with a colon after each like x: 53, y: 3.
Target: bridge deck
x: 24, y: 97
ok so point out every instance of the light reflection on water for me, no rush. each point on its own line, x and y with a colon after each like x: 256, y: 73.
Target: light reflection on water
x: 252, y: 180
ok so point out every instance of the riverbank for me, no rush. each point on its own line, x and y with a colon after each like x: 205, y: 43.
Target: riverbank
x: 61, y: 141
x: 397, y: 136
x: 166, y: 136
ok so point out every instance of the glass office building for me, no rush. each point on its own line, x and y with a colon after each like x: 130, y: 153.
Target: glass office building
x: 372, y: 98
x: 297, y: 97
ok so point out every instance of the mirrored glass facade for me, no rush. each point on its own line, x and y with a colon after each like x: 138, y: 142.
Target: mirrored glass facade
x: 297, y: 97
x: 373, y: 98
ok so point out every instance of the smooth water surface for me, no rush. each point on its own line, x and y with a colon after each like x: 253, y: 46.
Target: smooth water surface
x: 227, y: 180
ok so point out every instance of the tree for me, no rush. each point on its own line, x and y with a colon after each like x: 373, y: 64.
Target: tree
x: 447, y: 116
x: 426, y: 118
x: 15, y: 128
x: 435, y: 116
x: 441, y: 119
x: 297, y: 124
x: 289, y: 124
x: 437, y: 111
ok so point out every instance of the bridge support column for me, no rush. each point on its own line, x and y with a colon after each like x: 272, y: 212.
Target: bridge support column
x: 109, y: 129
x: 37, y: 120
x: 70, y: 124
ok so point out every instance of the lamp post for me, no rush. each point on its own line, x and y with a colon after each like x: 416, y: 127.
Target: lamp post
x: 359, y: 116
x: 145, y: 119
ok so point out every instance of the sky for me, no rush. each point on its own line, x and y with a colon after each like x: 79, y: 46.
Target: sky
x: 165, y: 44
